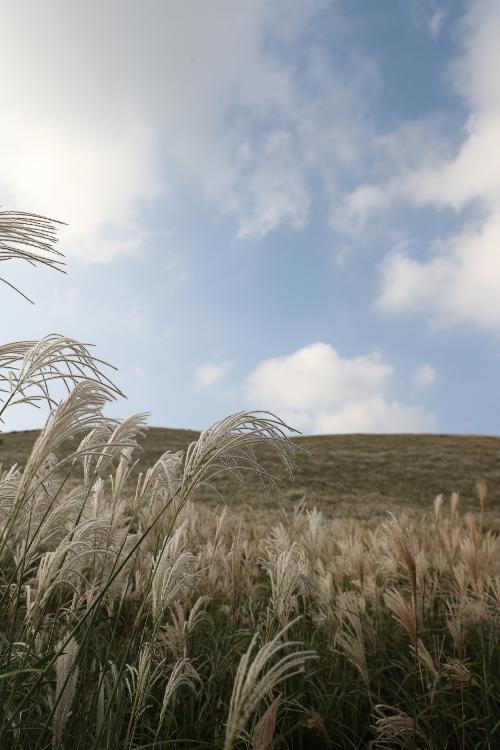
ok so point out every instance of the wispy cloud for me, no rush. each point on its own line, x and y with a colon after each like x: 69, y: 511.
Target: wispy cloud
x: 429, y: 14
x: 436, y: 21
x: 424, y: 376
x: 210, y: 374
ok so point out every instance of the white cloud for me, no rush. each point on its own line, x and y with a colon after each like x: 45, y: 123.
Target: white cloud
x: 376, y: 415
x: 424, y: 376
x: 99, y: 118
x: 209, y: 374
x: 459, y: 281
x: 318, y: 390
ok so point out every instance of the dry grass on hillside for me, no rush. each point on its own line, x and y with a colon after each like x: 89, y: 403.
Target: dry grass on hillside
x: 358, y: 476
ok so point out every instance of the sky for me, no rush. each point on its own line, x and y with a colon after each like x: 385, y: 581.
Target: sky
x: 289, y: 205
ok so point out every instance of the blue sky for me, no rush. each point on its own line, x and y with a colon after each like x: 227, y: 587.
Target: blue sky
x: 289, y: 205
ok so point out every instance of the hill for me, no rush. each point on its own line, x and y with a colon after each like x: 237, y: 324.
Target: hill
x: 359, y: 476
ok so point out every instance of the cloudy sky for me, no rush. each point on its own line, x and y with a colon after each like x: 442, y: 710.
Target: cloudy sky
x: 290, y: 205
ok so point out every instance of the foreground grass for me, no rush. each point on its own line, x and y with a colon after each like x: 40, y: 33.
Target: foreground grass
x: 126, y: 615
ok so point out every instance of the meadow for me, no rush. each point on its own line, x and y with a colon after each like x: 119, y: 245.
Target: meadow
x: 345, y: 476
x: 137, y: 611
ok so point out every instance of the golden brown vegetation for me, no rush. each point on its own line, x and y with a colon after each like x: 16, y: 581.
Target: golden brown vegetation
x: 180, y: 623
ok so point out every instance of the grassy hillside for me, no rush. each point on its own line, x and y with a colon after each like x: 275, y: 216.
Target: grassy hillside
x: 360, y: 476
x: 131, y: 624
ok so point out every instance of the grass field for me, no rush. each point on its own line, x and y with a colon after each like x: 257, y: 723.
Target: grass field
x: 346, y: 476
x: 152, y: 619
x: 137, y: 612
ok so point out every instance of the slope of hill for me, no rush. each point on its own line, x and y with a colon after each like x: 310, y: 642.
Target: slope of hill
x: 359, y: 476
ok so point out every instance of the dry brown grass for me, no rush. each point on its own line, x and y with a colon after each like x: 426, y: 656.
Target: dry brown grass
x: 346, y: 476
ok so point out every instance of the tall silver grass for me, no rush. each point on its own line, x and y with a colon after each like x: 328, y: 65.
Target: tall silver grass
x: 66, y: 681
x: 30, y: 238
x: 260, y: 673
x: 30, y: 369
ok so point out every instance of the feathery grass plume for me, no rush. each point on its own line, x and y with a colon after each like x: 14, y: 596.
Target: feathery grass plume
x: 425, y: 658
x: 232, y: 563
x: 82, y: 546
x: 438, y: 504
x: 351, y: 643
x: 31, y: 238
x: 350, y: 638
x: 454, y: 501
x: 213, y: 551
x: 159, y: 484
x: 313, y: 538
x: 325, y: 587
x: 263, y: 733
x: 489, y: 548
x: 43, y: 524
x: 482, y: 494
x: 280, y: 540
x: 140, y: 674
x: 9, y: 483
x: 474, y: 610
x: 399, y: 537
x: 139, y: 682
x: 121, y: 475
x: 79, y: 412
x: 257, y: 677
x: 465, y: 612
x: 175, y: 634
x: 183, y: 674
x: 354, y: 557
x: 397, y: 729
x: 173, y: 568
x: 449, y: 538
x: 213, y: 545
x: 459, y: 672
x: 122, y: 438
x: 470, y: 555
x: 66, y: 681
x: 29, y: 369
x: 90, y: 447
x: 288, y: 580
x: 229, y: 446
x: 404, y: 612
x: 471, y: 526
x: 456, y: 629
